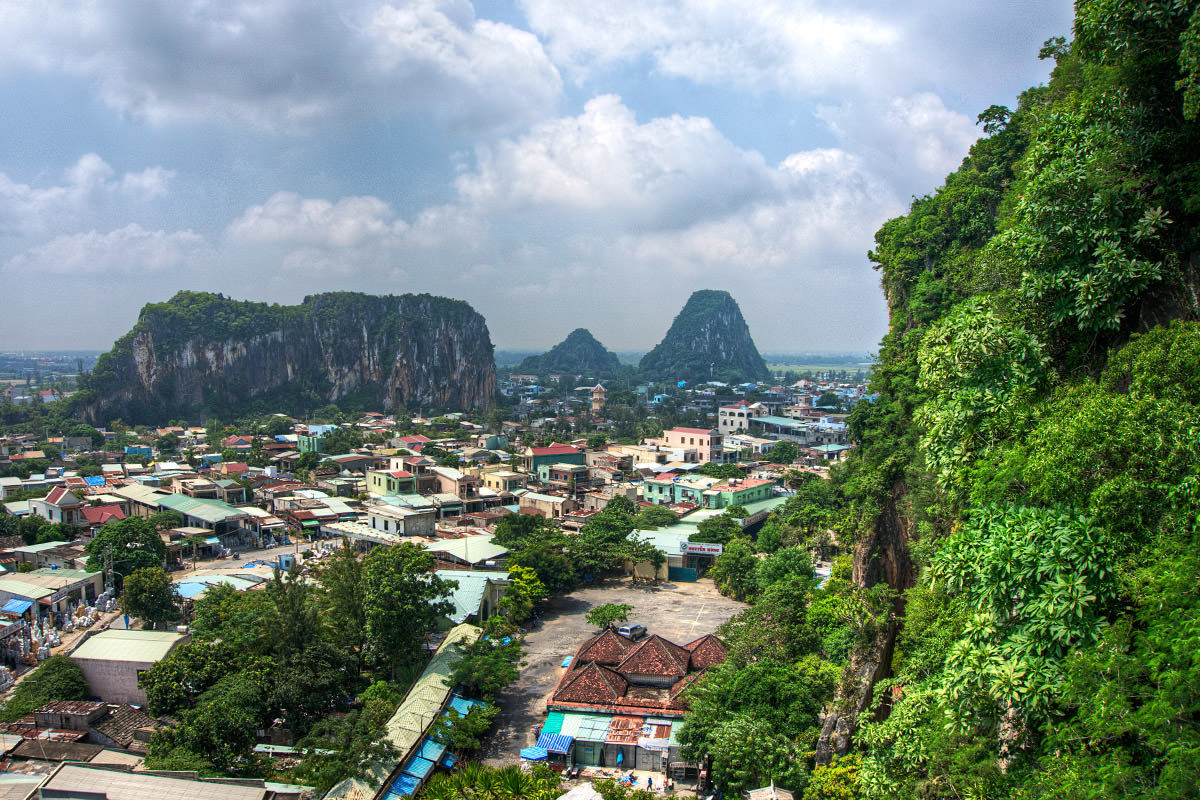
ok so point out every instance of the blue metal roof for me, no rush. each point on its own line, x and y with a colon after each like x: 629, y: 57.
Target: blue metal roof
x: 404, y: 785
x: 431, y: 750
x: 16, y: 606
x: 533, y: 753
x: 555, y: 743
x: 94, y: 480
x: 419, y: 767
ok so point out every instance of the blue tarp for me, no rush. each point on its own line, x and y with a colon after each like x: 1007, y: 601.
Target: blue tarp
x: 94, y: 480
x: 189, y: 589
x: 555, y: 743
x: 533, y: 753
x: 16, y: 606
x: 461, y: 704
x: 567, y: 661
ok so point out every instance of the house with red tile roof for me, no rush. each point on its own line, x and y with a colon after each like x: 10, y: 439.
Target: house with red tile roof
x: 612, y: 674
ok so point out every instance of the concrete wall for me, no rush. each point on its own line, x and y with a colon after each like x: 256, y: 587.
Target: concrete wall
x: 114, y: 681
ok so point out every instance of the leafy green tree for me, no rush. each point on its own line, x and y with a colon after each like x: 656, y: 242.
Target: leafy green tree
x: 148, y: 594
x: 785, y: 563
x: 166, y: 520
x: 524, y: 589
x: 784, y: 452
x: 653, y: 517
x: 735, y: 569
x: 341, y: 580
x: 487, y: 666
x: 464, y: 733
x: 340, y: 747
x: 58, y: 678
x: 717, y: 530
x: 608, y: 615
x: 402, y: 603
x: 125, y: 546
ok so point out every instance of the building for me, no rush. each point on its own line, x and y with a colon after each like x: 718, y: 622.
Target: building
x: 534, y: 457
x: 736, y: 418
x: 706, y: 444
x: 402, y: 521
x: 392, y: 481
x: 546, y: 505
x: 112, y: 659
x: 619, y: 701
x: 74, y: 780
x: 477, y: 595
x: 60, y: 505
x: 52, y: 591
x: 598, y: 401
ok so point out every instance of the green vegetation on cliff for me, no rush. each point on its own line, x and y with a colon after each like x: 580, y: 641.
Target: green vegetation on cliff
x: 708, y: 341
x: 1023, y: 504
x: 579, y: 354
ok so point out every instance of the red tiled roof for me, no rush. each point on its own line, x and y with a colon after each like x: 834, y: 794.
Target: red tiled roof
x: 606, y: 647
x: 703, y: 431
x: 592, y: 684
x: 553, y: 450
x: 706, y: 651
x: 61, y: 495
x: 99, y: 515
x: 654, y: 655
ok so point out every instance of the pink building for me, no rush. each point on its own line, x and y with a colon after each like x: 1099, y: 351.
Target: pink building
x: 707, y: 442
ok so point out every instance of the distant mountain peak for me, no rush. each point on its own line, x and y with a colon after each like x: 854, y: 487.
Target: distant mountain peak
x: 580, y: 353
x: 709, y: 340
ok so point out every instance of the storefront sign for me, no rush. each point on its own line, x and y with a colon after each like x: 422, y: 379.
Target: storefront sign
x: 701, y: 548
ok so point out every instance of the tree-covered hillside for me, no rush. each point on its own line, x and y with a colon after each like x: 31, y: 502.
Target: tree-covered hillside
x: 1019, y: 616
x: 1028, y: 481
x: 580, y: 353
x: 708, y: 340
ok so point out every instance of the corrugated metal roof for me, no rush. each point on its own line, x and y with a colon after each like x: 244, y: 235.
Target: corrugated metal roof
x: 416, y: 713
x: 122, y: 645
x: 554, y: 722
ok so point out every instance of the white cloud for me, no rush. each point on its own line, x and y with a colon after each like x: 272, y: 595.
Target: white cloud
x: 781, y: 45
x: 600, y: 212
x: 290, y: 219
x: 131, y: 250
x: 286, y: 63
x: 88, y: 184
x: 915, y: 138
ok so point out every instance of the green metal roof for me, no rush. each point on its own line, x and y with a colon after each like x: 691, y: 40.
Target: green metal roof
x: 471, y: 588
x: 554, y: 722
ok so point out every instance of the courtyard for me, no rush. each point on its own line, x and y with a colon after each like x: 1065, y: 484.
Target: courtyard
x: 679, y: 612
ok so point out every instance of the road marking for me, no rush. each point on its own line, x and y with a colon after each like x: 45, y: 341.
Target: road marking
x: 696, y: 621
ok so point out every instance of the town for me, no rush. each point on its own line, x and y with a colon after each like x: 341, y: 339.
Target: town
x: 386, y: 597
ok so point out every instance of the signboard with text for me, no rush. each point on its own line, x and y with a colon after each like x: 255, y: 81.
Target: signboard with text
x: 702, y: 548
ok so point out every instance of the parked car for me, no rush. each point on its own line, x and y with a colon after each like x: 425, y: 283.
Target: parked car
x: 633, y: 632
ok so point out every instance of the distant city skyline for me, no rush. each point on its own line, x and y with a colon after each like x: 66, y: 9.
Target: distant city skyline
x: 556, y: 165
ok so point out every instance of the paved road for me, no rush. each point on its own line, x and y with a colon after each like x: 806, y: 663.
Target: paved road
x: 680, y: 612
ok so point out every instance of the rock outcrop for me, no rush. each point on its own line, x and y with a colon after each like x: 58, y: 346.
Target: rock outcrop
x: 579, y: 354
x: 201, y: 353
x: 708, y: 341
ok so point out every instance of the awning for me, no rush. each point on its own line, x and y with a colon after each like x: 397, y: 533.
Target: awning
x: 213, y: 540
x: 16, y: 606
x: 533, y: 753
x: 567, y: 661
x: 310, y: 523
x: 555, y: 743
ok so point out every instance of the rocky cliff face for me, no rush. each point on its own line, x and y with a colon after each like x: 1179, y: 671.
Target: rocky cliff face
x: 200, y: 353
x: 709, y: 340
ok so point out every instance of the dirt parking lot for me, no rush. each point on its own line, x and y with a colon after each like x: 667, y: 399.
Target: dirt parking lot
x: 679, y: 612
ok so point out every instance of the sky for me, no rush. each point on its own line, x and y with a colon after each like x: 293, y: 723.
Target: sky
x: 556, y: 164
